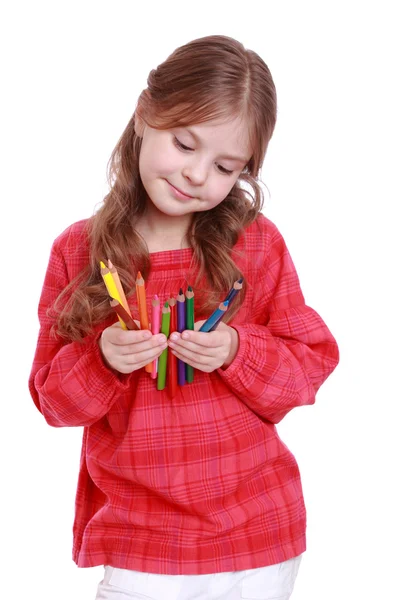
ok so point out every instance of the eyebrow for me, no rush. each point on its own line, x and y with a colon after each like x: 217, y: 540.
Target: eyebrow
x: 227, y: 156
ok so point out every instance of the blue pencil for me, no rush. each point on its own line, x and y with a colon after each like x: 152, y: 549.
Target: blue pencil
x: 237, y: 286
x: 215, y: 318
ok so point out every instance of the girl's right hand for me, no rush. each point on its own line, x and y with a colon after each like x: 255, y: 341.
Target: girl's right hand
x: 127, y: 351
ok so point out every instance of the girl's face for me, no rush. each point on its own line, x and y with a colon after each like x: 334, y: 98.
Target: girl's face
x: 192, y: 169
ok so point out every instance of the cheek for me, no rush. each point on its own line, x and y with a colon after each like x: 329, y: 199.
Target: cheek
x: 158, y: 163
x: 219, y: 189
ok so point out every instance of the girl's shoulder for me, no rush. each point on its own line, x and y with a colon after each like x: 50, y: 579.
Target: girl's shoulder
x: 261, y: 235
x: 263, y: 227
x: 75, y: 238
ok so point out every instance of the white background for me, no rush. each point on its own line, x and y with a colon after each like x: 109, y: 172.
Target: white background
x: 71, y: 74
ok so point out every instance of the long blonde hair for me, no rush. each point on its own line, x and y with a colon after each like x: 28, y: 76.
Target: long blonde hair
x: 208, y: 78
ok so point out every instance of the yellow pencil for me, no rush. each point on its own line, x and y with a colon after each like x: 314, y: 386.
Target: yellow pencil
x: 111, y: 287
x: 118, y: 285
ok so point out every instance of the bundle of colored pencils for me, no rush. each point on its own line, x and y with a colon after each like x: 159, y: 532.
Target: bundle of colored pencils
x: 177, y: 314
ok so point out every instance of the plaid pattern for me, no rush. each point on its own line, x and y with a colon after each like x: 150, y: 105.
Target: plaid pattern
x: 201, y: 483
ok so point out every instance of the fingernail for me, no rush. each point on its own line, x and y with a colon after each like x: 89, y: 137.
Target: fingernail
x: 174, y: 337
x: 185, y: 336
x: 161, y: 339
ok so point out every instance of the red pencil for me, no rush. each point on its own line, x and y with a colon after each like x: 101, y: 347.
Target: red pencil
x: 172, y: 364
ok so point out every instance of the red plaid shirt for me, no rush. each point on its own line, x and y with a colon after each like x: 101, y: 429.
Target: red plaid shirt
x: 200, y: 483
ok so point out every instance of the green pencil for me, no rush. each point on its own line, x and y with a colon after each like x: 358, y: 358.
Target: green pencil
x: 162, y: 360
x: 189, y: 325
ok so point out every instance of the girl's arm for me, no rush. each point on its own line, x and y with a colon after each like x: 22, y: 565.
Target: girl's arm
x: 69, y: 382
x: 281, y: 363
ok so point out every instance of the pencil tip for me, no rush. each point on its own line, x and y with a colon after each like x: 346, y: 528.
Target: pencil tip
x: 180, y: 291
x: 190, y: 289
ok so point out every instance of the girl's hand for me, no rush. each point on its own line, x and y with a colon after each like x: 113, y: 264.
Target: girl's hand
x: 206, y: 351
x: 127, y: 351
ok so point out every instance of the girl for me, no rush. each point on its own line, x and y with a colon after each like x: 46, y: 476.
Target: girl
x: 193, y: 496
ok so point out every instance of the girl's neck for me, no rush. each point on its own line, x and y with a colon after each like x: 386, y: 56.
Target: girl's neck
x: 163, y: 232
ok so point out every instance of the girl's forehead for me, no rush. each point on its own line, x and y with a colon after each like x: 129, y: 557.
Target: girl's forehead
x: 231, y: 132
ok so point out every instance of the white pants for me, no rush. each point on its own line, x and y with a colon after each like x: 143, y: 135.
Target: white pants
x: 265, y: 583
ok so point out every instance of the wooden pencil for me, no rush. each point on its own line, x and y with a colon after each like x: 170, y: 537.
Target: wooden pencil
x: 111, y: 287
x: 141, y: 299
x: 237, y: 286
x: 162, y: 361
x: 172, y: 378
x: 215, y: 318
x: 155, y: 328
x: 189, y: 325
x: 118, y: 285
x: 181, y: 325
x: 143, y: 318
x: 123, y: 314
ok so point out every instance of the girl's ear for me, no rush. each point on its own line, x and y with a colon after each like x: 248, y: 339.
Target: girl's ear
x: 139, y: 126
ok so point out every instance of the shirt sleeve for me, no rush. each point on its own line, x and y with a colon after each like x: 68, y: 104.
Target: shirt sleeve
x: 283, y: 360
x: 69, y: 382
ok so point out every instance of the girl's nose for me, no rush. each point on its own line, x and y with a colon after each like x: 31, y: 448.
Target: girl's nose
x: 195, y: 172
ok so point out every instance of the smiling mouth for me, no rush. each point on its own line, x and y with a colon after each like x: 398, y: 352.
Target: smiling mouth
x: 178, y: 190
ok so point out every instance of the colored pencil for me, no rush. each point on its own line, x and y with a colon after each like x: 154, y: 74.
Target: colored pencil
x: 172, y: 379
x: 189, y: 325
x: 141, y: 299
x: 111, y: 287
x: 215, y: 318
x: 143, y: 318
x: 155, y: 328
x: 162, y: 361
x: 118, y: 285
x: 123, y: 314
x: 237, y: 286
x: 181, y: 326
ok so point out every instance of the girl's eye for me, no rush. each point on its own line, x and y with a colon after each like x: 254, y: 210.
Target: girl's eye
x: 180, y: 145
x: 225, y: 171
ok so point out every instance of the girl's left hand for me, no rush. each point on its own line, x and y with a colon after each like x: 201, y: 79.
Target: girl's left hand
x: 205, y: 351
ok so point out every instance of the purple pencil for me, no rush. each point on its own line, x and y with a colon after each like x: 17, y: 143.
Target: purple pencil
x: 181, y: 326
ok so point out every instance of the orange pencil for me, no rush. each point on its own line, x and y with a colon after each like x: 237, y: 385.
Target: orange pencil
x: 118, y: 284
x: 125, y: 316
x: 172, y: 364
x: 141, y: 299
x: 143, y: 318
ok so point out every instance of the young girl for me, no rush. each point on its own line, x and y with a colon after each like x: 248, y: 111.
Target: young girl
x: 195, y: 495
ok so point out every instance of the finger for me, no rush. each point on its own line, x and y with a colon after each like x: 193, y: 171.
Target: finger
x: 192, y: 358
x: 122, y: 337
x: 211, y: 339
x: 129, y: 362
x: 203, y: 343
x: 155, y: 342
x: 144, y: 358
x: 191, y: 350
x: 206, y: 365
